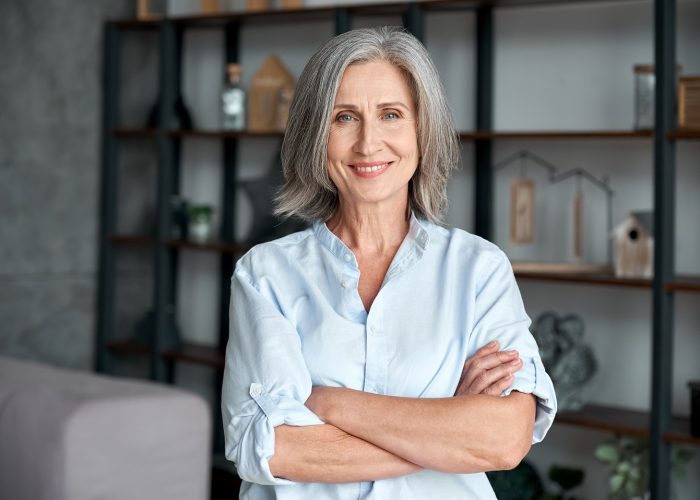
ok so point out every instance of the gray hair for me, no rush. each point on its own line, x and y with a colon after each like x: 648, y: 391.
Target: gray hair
x: 308, y: 191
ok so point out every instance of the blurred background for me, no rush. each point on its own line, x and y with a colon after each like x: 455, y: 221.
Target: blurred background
x: 114, y: 147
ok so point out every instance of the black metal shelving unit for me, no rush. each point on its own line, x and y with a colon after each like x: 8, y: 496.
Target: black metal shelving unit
x: 658, y: 424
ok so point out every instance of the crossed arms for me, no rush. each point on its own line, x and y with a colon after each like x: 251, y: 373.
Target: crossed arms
x: 368, y: 436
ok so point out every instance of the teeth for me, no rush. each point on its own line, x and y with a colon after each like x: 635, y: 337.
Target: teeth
x: 371, y: 169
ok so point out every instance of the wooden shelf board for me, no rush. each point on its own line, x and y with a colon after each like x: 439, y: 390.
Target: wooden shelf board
x: 684, y: 284
x: 604, y: 418
x: 133, y: 240
x: 221, y: 134
x: 553, y: 134
x: 135, y: 133
x: 684, y: 134
x: 128, y: 346
x: 585, y: 278
x: 624, y: 421
x: 198, y: 354
x: 680, y: 432
x: 211, y: 246
x: 138, y: 24
x: 306, y: 14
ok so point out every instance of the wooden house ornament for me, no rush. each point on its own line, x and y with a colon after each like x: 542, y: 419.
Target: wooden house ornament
x: 270, y: 95
x: 634, y: 246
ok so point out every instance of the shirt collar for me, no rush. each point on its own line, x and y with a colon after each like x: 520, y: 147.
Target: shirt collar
x: 418, y: 237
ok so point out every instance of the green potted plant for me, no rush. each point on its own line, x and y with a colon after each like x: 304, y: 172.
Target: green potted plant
x: 628, y: 459
x: 200, y: 222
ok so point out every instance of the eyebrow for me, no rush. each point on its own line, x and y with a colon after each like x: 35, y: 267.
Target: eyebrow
x: 396, y: 104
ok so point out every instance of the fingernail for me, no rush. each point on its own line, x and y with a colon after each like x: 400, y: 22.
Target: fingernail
x: 493, y: 343
x: 515, y: 362
x: 511, y: 353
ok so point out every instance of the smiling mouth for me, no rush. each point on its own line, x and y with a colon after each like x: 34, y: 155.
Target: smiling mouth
x: 368, y: 168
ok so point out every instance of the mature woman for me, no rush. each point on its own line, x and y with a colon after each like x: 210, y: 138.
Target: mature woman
x: 376, y: 354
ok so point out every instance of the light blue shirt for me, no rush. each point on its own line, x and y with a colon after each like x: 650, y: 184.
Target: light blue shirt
x: 297, y: 321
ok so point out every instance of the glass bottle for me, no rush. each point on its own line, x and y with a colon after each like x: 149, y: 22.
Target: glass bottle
x: 233, y: 100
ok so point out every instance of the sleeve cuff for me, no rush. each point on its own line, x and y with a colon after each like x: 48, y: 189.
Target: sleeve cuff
x: 532, y: 379
x: 251, y: 433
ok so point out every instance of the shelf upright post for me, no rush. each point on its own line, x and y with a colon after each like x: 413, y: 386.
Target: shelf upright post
x: 343, y: 22
x: 664, y: 246
x: 108, y: 181
x: 228, y: 230
x: 413, y: 21
x: 166, y: 156
x: 483, y: 150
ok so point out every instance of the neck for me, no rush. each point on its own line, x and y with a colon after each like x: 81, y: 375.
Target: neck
x: 370, y: 229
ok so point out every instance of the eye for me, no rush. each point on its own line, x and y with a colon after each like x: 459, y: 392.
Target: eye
x: 344, y: 117
x: 391, y: 115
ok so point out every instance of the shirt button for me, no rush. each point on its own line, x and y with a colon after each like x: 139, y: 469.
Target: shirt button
x: 423, y: 238
x: 345, y: 283
x: 372, y: 329
x: 256, y: 390
x: 347, y: 257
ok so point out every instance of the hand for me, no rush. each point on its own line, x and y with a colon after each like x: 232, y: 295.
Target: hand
x: 489, y: 371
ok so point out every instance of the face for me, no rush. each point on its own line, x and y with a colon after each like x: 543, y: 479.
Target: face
x: 372, y: 145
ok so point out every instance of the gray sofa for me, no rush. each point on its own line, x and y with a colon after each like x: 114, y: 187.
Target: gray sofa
x: 68, y: 435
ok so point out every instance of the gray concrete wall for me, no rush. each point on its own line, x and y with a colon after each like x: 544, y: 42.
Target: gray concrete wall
x: 50, y: 112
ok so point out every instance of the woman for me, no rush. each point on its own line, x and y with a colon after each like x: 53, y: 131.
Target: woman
x: 376, y: 354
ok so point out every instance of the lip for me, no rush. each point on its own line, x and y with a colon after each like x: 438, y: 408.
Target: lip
x: 367, y: 165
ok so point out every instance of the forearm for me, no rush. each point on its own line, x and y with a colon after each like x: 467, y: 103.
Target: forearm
x: 462, y: 434
x: 326, y: 454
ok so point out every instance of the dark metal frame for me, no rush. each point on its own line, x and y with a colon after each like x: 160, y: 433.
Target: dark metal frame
x: 483, y: 150
x: 108, y: 195
x: 664, y: 245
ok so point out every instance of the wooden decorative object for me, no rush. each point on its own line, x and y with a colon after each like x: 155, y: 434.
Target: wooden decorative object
x: 209, y: 7
x: 689, y: 102
x: 634, y: 246
x: 257, y: 5
x: 148, y: 10
x: 578, y: 225
x: 522, y: 211
x: 270, y: 93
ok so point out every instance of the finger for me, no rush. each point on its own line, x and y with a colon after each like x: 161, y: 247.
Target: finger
x: 501, y: 385
x: 478, y: 366
x: 489, y: 348
x: 489, y: 377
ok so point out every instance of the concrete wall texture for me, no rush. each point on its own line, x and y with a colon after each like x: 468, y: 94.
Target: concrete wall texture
x: 50, y: 95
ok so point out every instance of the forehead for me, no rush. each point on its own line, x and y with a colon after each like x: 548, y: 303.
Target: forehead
x: 375, y: 80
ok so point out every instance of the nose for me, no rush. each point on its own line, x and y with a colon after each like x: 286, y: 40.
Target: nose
x: 368, y: 139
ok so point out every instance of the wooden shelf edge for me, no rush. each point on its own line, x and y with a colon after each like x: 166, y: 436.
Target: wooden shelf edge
x: 684, y: 284
x: 584, y: 278
x: 196, y: 353
x: 479, y: 135
x: 604, y: 418
x: 325, y: 11
x: 627, y: 422
x: 132, y: 240
x: 135, y: 132
x: 190, y: 352
x: 684, y: 134
x: 128, y: 346
x: 211, y: 246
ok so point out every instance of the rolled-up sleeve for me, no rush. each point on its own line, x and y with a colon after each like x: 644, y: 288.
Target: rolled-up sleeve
x: 266, y: 381
x: 500, y: 315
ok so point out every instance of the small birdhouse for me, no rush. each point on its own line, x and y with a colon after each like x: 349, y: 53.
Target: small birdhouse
x: 634, y: 246
x: 271, y: 92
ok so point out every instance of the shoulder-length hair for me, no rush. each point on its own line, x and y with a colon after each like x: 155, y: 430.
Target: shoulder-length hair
x: 308, y: 191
